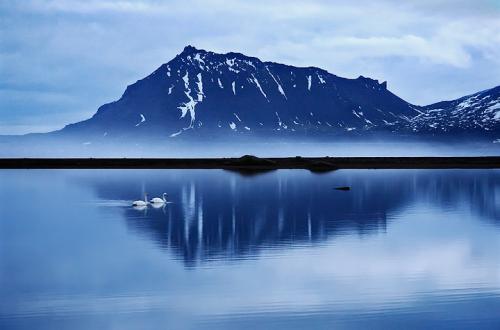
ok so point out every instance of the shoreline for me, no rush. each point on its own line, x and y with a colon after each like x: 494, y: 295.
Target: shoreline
x: 252, y: 163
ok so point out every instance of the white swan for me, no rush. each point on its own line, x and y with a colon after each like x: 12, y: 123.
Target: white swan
x: 140, y: 202
x: 140, y: 208
x: 158, y: 205
x: 158, y: 200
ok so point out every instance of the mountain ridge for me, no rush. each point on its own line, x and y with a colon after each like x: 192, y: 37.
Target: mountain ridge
x: 201, y: 93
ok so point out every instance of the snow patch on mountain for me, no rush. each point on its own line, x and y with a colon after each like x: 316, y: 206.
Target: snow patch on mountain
x: 176, y: 134
x: 279, y: 119
x: 199, y: 83
x: 258, y: 86
x: 143, y: 119
x: 320, y: 77
x: 197, y: 57
x: 187, y: 106
x: 493, y: 107
x: 280, y: 89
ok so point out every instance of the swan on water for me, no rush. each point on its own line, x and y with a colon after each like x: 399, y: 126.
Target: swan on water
x: 159, y: 200
x: 140, y: 208
x: 158, y: 206
x: 140, y: 202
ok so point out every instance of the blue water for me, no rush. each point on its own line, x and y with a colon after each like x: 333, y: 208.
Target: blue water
x: 278, y: 250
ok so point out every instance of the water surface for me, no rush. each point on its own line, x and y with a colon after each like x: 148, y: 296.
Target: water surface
x: 281, y: 249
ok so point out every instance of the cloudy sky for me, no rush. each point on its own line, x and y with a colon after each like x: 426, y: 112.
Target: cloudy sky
x: 61, y: 59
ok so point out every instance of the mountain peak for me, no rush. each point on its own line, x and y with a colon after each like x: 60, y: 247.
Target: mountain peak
x: 189, y: 49
x: 373, y: 82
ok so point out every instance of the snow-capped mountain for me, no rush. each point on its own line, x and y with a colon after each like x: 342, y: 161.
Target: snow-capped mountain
x: 479, y: 112
x: 202, y: 93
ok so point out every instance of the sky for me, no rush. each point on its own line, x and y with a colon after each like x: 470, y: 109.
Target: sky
x: 61, y: 59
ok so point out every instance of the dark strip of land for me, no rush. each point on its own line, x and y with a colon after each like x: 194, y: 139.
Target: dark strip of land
x: 252, y: 163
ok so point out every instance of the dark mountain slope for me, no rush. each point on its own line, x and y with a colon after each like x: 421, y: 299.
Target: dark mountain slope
x: 201, y: 93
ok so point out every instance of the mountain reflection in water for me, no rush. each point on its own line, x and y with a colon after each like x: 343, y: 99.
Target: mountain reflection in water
x: 276, y: 250
x: 215, y: 214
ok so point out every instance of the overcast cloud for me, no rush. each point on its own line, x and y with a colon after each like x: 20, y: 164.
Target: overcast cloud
x: 61, y: 59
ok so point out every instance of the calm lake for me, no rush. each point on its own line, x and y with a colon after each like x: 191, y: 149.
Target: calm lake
x: 277, y: 250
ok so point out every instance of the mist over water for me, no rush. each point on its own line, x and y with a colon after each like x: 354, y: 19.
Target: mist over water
x: 158, y: 148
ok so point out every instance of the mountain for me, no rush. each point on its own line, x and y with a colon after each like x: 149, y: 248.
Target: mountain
x: 205, y: 94
x: 479, y: 112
